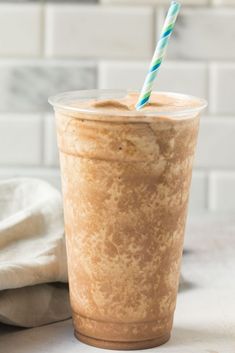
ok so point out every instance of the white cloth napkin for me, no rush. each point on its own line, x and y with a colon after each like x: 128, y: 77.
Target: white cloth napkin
x: 32, y: 254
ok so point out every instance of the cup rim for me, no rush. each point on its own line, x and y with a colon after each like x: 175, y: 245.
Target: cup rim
x: 64, y: 99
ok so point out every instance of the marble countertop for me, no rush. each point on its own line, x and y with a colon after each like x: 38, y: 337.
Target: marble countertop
x: 205, y: 314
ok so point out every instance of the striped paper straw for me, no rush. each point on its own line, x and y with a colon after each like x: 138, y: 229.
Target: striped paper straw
x: 158, y: 54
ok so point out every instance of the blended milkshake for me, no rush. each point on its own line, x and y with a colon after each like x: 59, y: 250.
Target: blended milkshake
x: 126, y: 178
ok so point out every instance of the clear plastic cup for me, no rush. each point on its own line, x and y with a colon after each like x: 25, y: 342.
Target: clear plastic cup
x: 126, y: 178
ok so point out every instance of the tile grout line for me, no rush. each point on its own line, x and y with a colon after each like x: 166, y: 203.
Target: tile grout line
x: 207, y: 191
x: 42, y: 44
x: 43, y: 140
x: 211, y: 88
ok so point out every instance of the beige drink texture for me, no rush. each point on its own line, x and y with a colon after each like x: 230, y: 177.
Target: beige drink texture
x: 126, y: 177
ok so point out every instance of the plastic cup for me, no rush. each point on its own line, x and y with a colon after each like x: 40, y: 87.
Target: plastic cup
x: 125, y: 180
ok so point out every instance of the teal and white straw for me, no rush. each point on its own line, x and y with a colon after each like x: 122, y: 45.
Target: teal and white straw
x: 158, y: 54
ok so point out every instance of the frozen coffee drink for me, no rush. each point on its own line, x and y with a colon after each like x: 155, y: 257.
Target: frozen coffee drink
x: 125, y: 177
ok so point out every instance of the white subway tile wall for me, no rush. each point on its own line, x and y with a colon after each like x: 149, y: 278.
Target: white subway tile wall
x: 98, y: 32
x: 156, y: 2
x: 53, y: 46
x: 222, y: 191
x: 20, y: 140
x: 216, y: 144
x: 50, y: 152
x: 198, y: 195
x: 20, y: 29
x: 185, y: 77
x: 222, y: 89
x: 223, y: 2
x: 26, y: 85
x: 199, y: 32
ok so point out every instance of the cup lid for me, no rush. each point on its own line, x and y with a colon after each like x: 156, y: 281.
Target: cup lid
x: 93, y: 102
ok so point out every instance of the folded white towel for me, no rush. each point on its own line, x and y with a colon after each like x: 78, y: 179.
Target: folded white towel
x: 32, y: 253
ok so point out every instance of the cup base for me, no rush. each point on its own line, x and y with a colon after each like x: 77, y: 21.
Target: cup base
x: 122, y: 345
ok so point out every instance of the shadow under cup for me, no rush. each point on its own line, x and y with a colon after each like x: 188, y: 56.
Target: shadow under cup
x: 125, y: 178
